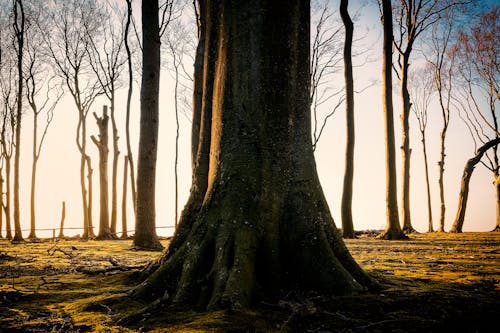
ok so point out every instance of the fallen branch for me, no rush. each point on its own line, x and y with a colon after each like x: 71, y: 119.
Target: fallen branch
x: 116, y: 267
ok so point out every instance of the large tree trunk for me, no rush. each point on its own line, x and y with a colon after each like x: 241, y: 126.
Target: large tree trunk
x: 256, y: 222
x: 464, y: 186
x: 346, y: 210
x: 145, y: 224
x: 102, y: 145
x: 392, y: 229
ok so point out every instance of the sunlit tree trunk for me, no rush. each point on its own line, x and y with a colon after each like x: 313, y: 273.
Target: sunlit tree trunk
x: 464, y: 186
x: 19, y: 29
x: 346, y: 210
x: 124, y: 198
x: 261, y: 225
x: 102, y: 146
x: 430, y: 227
x: 145, y: 224
x: 393, y: 228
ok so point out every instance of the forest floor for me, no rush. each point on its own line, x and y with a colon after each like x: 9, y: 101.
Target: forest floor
x: 432, y: 283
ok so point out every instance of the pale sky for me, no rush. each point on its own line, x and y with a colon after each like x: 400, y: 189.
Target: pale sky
x: 58, y: 168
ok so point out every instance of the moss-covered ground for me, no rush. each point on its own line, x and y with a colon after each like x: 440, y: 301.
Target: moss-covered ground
x: 431, y: 283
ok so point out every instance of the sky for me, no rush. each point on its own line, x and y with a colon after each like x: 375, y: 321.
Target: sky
x: 58, y: 169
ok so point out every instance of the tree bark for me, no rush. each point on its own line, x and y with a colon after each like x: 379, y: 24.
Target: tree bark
x: 392, y: 229
x: 346, y: 209
x: 464, y: 186
x: 1, y: 201
x: 405, y: 145
x: 427, y: 183
x: 8, y: 227
x: 19, y: 29
x: 34, y: 165
x: 497, y: 192
x: 441, y: 171
x: 145, y: 225
x: 124, y: 198
x: 114, y: 172
x: 102, y: 145
x: 261, y: 225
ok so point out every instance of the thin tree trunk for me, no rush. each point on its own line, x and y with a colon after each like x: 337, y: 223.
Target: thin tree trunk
x: 464, y: 186
x: 90, y: 201
x: 145, y: 225
x: 441, y: 178
x: 1, y: 201
x: 116, y: 154
x: 63, y: 217
x: 497, y: 193
x: 393, y: 228
x: 124, y: 198
x: 19, y: 31
x: 102, y: 146
x: 176, y: 141
x: 8, y: 227
x: 427, y: 183
x: 405, y: 146
x: 129, y: 97
x: 32, y: 234
x: 346, y: 209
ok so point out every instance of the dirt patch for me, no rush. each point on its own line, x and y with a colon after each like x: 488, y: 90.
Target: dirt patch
x: 432, y: 283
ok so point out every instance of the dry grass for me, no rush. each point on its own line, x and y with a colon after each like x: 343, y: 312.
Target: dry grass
x: 432, y: 283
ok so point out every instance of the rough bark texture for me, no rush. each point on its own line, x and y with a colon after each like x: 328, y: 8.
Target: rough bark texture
x: 392, y: 229
x: 256, y: 223
x: 464, y: 186
x: 145, y: 224
x: 346, y: 210
x: 102, y: 145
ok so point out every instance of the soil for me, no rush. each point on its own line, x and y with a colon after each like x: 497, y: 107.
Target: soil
x: 434, y: 282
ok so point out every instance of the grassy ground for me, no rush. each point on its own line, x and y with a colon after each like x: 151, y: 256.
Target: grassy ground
x: 432, y: 283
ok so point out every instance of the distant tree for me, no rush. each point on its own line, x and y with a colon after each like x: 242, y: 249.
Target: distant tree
x: 412, y: 17
x: 42, y: 94
x: 7, y: 84
x: 464, y: 186
x: 257, y: 222
x: 67, y: 44
x: 129, y: 98
x: 124, y: 198
x: 145, y: 223
x: 102, y: 146
x: 393, y: 228
x: 420, y: 84
x: 477, y: 97
x: 107, y: 60
x: 19, y: 26
x: 440, y: 54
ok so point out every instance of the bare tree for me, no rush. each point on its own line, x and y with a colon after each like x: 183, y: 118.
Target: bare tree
x: 421, y: 92
x: 393, y: 228
x: 108, y: 61
x: 180, y: 41
x: 413, y: 17
x: 19, y: 26
x: 42, y: 93
x: 102, y: 146
x: 124, y: 198
x: 440, y: 55
x: 326, y: 62
x: 7, y: 84
x: 478, y: 95
x: 68, y: 43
